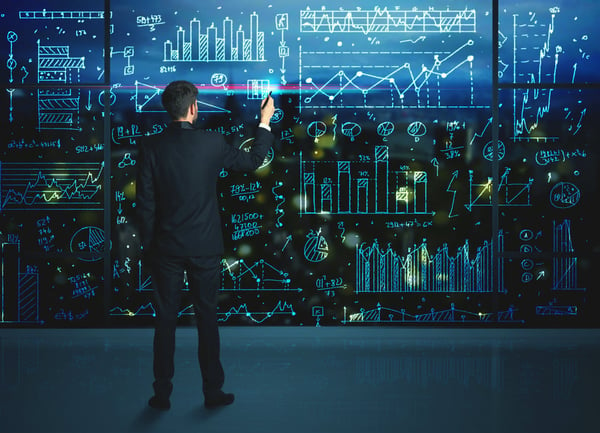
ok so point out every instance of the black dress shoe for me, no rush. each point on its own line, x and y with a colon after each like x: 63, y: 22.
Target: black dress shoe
x: 159, y: 403
x: 219, y: 399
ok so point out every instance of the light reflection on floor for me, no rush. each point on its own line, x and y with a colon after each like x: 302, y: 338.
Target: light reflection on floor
x: 307, y: 380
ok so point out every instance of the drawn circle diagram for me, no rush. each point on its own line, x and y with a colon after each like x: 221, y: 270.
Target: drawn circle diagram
x: 315, y: 248
x: 416, y: 130
x: 316, y: 129
x: 11, y: 37
x: 113, y: 98
x: 488, y: 150
x: 218, y: 79
x: 247, y: 145
x: 564, y: 195
x: 526, y: 235
x: 11, y: 63
x: 277, y: 116
x: 88, y: 240
x: 385, y: 129
x: 351, y: 130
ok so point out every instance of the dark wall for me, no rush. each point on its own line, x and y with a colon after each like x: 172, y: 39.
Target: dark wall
x: 433, y: 165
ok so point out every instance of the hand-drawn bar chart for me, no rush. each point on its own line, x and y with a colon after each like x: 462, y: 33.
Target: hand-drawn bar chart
x: 361, y: 187
x: 208, y: 46
x: 379, y: 270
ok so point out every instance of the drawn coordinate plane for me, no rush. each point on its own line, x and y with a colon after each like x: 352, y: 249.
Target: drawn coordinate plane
x: 329, y: 80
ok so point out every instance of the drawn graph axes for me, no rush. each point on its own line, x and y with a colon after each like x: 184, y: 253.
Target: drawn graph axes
x: 511, y: 194
x: 400, y: 83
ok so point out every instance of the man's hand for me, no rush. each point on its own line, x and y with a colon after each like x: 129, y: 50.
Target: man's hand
x: 267, y: 109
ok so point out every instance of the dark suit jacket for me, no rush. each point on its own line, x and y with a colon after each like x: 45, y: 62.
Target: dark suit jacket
x: 176, y: 187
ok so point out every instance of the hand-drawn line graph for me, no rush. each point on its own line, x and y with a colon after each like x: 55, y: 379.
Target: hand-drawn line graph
x: 282, y: 308
x: 260, y: 276
x: 51, y: 186
x: 237, y: 276
x: 376, y: 83
x: 509, y: 194
x: 208, y: 47
x: 362, y: 187
x: 144, y: 310
x: 564, y: 275
x: 535, y: 60
x: 20, y: 297
x: 381, y: 314
x: 379, y: 271
x: 147, y: 100
x: 388, y: 21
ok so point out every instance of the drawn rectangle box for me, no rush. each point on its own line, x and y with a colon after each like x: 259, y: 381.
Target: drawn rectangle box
x: 10, y: 282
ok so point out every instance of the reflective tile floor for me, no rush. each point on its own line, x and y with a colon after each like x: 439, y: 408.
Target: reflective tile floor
x: 308, y: 380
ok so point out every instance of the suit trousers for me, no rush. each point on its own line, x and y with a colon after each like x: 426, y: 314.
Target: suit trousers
x: 203, y: 277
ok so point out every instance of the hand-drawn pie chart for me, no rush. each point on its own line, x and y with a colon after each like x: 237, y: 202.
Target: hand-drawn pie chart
x: 88, y: 243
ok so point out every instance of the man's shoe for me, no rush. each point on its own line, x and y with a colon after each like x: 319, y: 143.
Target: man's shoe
x: 220, y: 399
x: 159, y: 403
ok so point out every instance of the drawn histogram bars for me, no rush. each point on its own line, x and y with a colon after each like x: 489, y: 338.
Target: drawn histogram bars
x: 359, y: 187
x: 430, y: 81
x: 565, y: 264
x: 20, y: 301
x: 536, y: 64
x: 55, y: 186
x: 419, y: 271
x: 261, y: 276
x: 208, y: 46
x: 388, y: 21
x: 58, y: 108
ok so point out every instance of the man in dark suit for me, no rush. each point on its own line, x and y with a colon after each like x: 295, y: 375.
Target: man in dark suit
x: 181, y: 230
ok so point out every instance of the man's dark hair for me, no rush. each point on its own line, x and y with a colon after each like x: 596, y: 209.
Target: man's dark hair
x: 177, y: 98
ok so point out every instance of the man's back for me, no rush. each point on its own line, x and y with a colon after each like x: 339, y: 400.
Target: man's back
x: 180, y: 169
